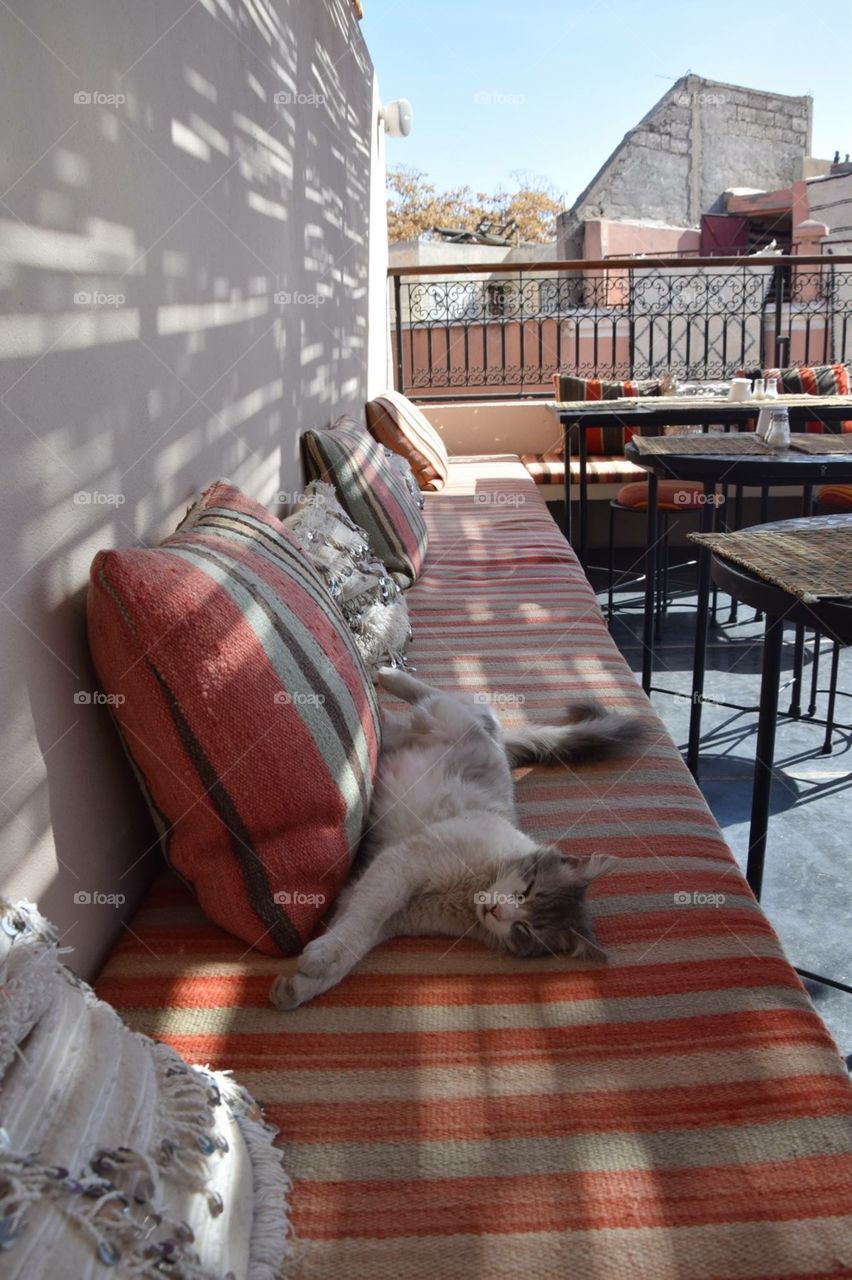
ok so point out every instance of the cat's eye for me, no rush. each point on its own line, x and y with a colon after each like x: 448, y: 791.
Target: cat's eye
x: 529, y: 888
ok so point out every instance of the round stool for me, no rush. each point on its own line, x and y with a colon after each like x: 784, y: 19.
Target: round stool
x: 835, y: 497
x: 673, y: 496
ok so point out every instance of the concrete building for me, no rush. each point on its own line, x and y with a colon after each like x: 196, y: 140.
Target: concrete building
x: 670, y: 173
x: 830, y: 203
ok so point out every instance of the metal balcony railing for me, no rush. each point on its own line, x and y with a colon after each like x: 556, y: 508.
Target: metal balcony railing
x: 503, y: 329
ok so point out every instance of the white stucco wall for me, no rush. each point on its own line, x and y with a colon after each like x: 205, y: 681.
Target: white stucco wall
x: 224, y: 237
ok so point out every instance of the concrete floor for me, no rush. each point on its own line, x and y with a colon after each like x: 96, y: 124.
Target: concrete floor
x: 807, y: 891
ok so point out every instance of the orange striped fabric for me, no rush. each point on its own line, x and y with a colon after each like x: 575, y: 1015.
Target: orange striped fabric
x: 400, y: 425
x: 549, y: 468
x: 678, y: 1114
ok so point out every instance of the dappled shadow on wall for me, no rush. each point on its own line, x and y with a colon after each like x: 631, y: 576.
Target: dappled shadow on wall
x: 183, y: 267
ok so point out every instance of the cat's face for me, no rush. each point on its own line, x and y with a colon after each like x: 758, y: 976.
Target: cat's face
x: 538, y: 906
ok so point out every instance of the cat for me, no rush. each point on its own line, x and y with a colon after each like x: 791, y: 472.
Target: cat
x: 442, y: 853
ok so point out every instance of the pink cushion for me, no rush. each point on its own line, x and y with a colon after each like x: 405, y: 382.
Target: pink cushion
x: 246, y: 710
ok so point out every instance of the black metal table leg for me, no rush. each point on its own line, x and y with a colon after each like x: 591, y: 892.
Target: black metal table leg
x: 832, y: 699
x: 767, y: 716
x: 795, y: 709
x: 702, y: 619
x: 812, y: 702
x: 650, y: 583
x: 738, y: 520
x: 566, y: 454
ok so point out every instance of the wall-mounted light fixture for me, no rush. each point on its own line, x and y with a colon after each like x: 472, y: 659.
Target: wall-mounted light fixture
x: 397, y: 117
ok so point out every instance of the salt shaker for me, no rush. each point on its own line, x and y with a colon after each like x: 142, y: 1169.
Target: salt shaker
x: 759, y: 390
x: 772, y: 387
x: 778, y: 431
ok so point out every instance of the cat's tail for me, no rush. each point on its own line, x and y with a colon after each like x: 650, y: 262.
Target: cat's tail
x: 595, y: 734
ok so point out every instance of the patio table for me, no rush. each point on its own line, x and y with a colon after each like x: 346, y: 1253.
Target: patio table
x: 797, y: 571
x: 673, y: 459
x: 669, y: 411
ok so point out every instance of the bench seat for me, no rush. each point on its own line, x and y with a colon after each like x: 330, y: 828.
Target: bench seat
x: 680, y: 1113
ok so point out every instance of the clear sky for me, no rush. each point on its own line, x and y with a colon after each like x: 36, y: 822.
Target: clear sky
x: 549, y: 87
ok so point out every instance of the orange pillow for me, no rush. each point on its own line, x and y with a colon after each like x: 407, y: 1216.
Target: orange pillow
x: 399, y: 425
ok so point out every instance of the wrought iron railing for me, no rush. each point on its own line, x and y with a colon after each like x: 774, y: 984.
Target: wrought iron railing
x: 506, y: 328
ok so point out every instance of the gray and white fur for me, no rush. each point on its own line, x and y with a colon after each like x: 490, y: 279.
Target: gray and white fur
x: 442, y: 853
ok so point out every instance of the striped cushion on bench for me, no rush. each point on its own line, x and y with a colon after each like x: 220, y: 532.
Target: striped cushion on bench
x: 400, y: 425
x: 372, y: 492
x: 811, y: 380
x: 246, y: 710
x: 549, y: 468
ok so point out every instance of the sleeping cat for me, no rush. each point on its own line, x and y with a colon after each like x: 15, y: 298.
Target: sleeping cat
x: 442, y: 854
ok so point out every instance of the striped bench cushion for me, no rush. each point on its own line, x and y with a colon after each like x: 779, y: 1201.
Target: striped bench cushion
x: 246, y: 710
x: 678, y: 1114
x: 549, y: 468
x: 372, y: 492
x: 400, y: 425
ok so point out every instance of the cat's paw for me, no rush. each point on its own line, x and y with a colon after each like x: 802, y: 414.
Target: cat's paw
x: 283, y: 994
x: 319, y: 956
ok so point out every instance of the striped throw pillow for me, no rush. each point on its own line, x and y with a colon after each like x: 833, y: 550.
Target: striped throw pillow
x: 604, y: 442
x: 399, y: 425
x: 246, y: 710
x: 372, y: 493
x: 810, y: 380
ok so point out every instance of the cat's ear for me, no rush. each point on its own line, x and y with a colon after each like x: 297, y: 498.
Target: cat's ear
x: 597, y: 864
x: 586, y: 948
x: 588, y: 869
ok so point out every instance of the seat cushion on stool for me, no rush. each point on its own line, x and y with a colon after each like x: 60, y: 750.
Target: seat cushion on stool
x: 836, y: 496
x: 672, y: 495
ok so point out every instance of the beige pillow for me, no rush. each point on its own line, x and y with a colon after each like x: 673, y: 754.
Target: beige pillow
x: 399, y: 425
x: 115, y: 1154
